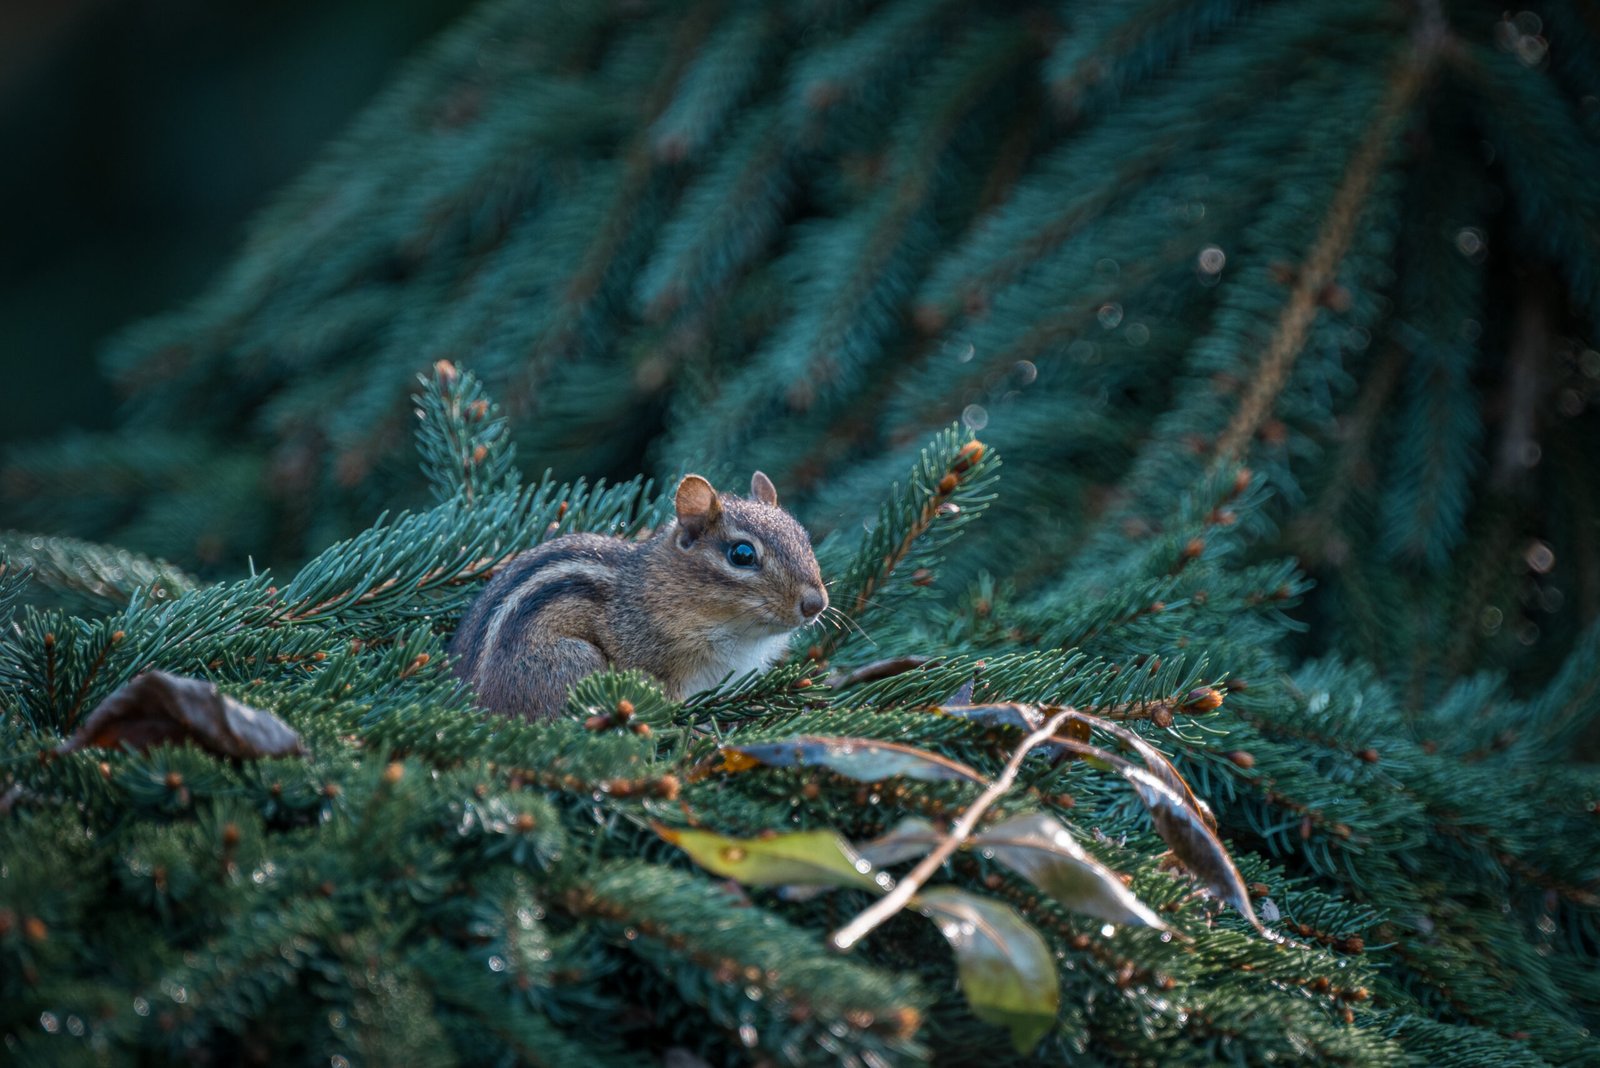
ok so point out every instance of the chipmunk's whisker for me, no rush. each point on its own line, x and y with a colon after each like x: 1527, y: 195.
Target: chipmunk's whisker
x: 844, y: 620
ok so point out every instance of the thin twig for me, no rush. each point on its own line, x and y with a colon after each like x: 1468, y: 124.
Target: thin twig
x: 847, y: 936
x: 1327, y: 253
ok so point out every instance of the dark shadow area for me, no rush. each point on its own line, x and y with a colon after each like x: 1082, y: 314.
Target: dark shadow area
x: 138, y: 137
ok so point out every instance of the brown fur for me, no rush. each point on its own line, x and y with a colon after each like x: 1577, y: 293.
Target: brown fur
x: 672, y: 606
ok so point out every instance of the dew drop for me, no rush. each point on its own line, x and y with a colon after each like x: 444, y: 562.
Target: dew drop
x: 1212, y: 259
x: 1082, y: 351
x: 141, y: 1006
x: 1530, y: 49
x: 974, y: 417
x: 48, y: 1021
x: 1540, y: 557
x: 1107, y: 930
x: 748, y: 1035
x: 1110, y: 315
x: 1470, y: 243
x: 497, y: 964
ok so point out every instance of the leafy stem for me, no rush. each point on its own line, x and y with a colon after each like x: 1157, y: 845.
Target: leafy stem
x: 871, y: 918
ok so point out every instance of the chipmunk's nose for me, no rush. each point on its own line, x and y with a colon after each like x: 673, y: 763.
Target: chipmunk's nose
x: 812, y: 602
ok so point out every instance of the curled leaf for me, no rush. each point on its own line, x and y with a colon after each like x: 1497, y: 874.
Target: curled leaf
x: 878, y: 669
x: 1158, y: 764
x: 911, y: 837
x: 1011, y: 714
x: 158, y: 707
x: 1073, y: 730
x: 1193, y: 842
x: 1037, y: 847
x: 862, y: 759
x: 807, y: 858
x: 1026, y: 718
x: 1007, y: 971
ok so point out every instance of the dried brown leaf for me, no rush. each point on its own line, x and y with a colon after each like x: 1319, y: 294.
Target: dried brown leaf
x: 158, y: 707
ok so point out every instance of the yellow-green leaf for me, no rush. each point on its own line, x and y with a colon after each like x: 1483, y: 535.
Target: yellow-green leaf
x: 807, y: 858
x: 862, y: 759
x: 1006, y: 969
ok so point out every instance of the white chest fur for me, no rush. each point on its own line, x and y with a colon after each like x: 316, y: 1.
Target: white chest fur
x: 734, y: 654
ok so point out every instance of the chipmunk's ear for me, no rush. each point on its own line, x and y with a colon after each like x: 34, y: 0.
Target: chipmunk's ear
x: 762, y: 489
x: 697, y: 506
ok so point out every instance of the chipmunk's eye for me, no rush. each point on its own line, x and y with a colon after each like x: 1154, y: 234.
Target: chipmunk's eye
x: 742, y: 554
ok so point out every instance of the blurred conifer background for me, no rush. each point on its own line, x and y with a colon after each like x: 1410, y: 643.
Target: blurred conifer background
x: 1277, y: 323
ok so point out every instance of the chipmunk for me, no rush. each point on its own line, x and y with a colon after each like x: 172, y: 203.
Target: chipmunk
x: 716, y: 591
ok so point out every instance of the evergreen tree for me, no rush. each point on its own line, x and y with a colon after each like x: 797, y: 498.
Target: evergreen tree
x: 1276, y: 316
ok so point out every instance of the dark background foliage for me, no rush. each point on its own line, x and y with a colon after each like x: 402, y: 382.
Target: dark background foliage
x: 139, y: 136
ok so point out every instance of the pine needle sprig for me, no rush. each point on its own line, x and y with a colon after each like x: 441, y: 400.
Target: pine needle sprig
x: 946, y: 490
x: 464, y: 440
x: 100, y: 577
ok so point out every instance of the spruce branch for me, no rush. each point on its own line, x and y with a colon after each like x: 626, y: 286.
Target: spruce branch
x: 1314, y: 533
x: 1317, y: 272
x: 464, y: 441
x: 395, y: 565
x: 1482, y: 838
x: 729, y: 215
x: 106, y: 576
x: 13, y: 582
x: 942, y: 494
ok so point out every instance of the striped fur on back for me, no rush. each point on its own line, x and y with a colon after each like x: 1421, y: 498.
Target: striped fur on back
x: 546, y: 594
